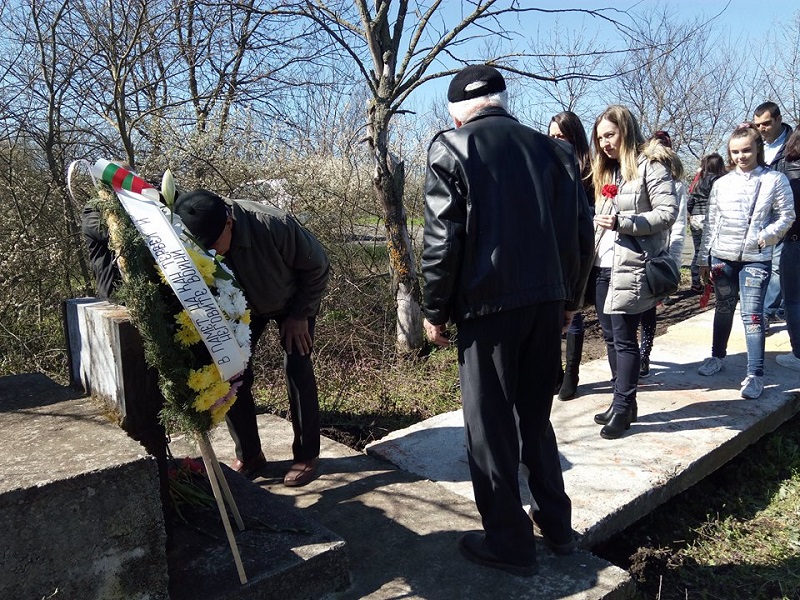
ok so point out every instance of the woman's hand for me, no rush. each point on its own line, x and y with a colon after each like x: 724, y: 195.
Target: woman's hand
x: 606, y: 221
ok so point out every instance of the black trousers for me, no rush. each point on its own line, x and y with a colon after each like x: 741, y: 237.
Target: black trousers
x: 301, y: 385
x: 508, y: 363
x: 621, y: 335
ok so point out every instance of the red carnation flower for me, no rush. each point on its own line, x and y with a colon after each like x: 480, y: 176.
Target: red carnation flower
x: 609, y: 190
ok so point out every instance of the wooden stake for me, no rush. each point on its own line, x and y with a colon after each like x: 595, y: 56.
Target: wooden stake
x: 214, y: 475
x: 226, y: 490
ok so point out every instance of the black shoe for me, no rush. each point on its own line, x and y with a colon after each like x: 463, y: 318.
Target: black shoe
x: 644, y: 369
x: 618, y: 424
x: 473, y: 547
x: 561, y: 548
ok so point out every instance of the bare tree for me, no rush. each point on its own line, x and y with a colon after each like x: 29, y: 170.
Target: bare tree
x: 398, y: 46
x: 782, y: 73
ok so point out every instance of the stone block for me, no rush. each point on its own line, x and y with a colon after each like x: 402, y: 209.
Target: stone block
x: 80, y: 508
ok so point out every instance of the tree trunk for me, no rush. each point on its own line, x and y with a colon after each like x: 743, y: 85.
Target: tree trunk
x: 389, y: 183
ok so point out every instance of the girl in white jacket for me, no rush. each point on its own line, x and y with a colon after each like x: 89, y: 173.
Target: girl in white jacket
x: 750, y: 210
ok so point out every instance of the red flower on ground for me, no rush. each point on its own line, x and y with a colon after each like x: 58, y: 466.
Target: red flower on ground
x: 609, y: 190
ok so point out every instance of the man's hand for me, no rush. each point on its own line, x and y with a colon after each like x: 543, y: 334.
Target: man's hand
x: 295, y: 335
x: 437, y: 334
x: 568, y: 314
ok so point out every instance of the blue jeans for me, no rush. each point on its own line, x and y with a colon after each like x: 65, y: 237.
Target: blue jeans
x: 745, y: 281
x: 620, y: 333
x: 773, y: 302
x: 790, y: 282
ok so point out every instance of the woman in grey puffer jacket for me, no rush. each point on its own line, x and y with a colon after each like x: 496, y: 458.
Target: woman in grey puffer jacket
x: 636, y: 206
x: 749, y: 211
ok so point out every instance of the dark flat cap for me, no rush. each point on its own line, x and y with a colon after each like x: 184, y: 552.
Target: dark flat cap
x: 204, y: 214
x: 475, y: 81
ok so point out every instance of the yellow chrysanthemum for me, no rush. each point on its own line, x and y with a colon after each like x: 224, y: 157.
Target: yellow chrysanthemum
x: 218, y: 415
x: 204, y: 378
x: 246, y: 317
x: 205, y: 264
x: 187, y: 333
x: 206, y: 399
x: 161, y: 275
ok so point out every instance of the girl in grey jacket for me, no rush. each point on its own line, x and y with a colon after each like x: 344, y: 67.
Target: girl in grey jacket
x: 749, y: 211
x: 636, y: 206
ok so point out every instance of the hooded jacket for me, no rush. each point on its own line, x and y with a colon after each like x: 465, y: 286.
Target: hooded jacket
x: 729, y: 232
x: 507, y: 222
x: 646, y: 209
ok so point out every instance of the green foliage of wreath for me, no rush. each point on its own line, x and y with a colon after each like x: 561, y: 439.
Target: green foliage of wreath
x: 152, y: 306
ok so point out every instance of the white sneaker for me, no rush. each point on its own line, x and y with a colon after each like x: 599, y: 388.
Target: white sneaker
x: 711, y: 366
x: 752, y: 386
x: 790, y: 361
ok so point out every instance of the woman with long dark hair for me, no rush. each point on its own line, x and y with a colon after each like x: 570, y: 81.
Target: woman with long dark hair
x: 567, y: 126
x: 712, y: 168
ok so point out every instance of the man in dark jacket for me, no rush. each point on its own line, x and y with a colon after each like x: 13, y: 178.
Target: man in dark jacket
x: 508, y: 245
x: 767, y: 117
x: 283, y: 270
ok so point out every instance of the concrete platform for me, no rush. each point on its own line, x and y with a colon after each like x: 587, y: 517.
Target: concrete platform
x: 402, y: 530
x: 688, y: 426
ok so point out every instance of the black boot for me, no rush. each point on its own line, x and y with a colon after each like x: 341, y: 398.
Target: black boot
x: 604, y: 417
x: 569, y: 386
x: 619, y: 423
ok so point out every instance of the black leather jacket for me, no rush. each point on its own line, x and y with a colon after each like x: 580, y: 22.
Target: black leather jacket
x: 507, y: 222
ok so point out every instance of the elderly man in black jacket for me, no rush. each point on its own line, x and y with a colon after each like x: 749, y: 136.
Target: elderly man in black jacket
x: 508, y: 246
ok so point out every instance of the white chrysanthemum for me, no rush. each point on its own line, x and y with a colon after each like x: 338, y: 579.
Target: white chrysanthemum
x: 242, y: 334
x: 231, y: 298
x: 227, y: 306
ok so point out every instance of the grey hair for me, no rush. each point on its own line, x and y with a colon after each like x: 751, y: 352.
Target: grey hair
x: 462, y: 111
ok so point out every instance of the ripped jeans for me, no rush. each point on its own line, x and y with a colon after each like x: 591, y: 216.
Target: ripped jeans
x: 745, y: 281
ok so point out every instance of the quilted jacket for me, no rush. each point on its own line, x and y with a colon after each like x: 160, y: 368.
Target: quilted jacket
x: 646, y: 209
x: 729, y: 232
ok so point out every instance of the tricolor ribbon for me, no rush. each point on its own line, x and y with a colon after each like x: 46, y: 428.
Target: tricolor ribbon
x: 141, y: 201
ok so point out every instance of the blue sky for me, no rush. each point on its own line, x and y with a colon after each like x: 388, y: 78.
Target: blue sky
x: 742, y: 22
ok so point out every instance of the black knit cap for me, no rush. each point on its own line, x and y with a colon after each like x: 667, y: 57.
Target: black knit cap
x: 204, y: 214
x: 475, y: 81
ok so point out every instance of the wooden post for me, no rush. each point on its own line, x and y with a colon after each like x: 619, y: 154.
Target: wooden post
x: 215, y: 477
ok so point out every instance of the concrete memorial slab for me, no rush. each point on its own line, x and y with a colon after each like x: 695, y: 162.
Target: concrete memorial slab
x: 688, y: 426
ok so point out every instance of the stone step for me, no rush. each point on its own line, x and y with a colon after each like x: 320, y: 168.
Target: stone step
x: 80, y: 504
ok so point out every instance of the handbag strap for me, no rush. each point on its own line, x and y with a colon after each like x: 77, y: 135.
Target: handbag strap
x: 750, y: 218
